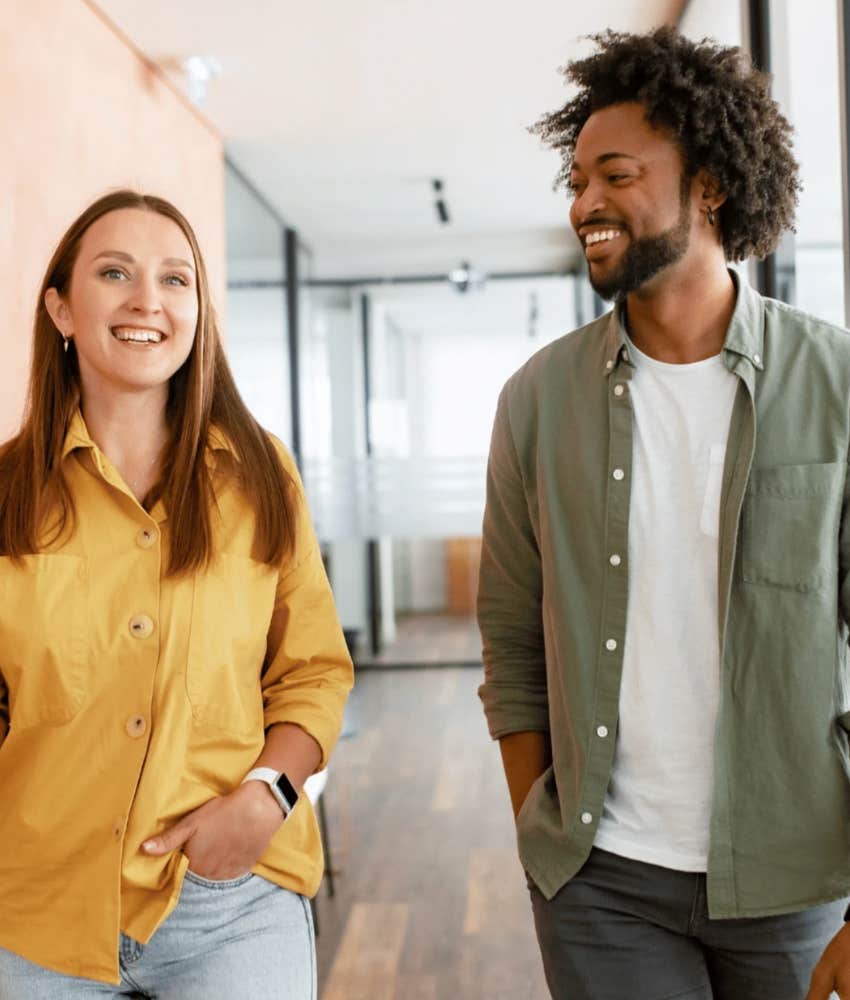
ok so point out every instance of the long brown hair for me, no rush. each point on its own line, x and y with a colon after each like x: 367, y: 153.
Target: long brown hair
x: 33, y: 488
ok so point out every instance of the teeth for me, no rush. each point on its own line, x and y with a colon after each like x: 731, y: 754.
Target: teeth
x: 599, y: 237
x: 138, y: 336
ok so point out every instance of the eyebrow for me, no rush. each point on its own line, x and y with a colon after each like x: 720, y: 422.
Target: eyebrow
x: 120, y: 255
x: 609, y: 156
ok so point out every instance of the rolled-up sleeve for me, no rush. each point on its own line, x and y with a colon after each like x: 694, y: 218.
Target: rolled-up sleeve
x: 308, y: 671
x: 510, y: 596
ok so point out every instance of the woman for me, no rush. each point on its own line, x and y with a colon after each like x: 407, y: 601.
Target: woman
x: 166, y: 629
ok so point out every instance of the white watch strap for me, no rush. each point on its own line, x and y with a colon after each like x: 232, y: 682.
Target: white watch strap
x: 269, y: 776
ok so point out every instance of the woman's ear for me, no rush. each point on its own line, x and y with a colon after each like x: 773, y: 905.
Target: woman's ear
x: 58, y: 311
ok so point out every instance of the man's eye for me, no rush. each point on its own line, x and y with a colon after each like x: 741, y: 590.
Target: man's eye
x: 618, y: 177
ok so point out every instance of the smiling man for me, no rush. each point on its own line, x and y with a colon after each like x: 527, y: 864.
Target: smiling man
x: 665, y: 578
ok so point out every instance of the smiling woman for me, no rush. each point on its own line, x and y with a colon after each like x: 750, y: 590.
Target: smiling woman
x: 171, y: 665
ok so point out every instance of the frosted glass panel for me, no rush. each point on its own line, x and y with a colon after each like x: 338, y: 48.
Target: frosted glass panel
x: 396, y: 497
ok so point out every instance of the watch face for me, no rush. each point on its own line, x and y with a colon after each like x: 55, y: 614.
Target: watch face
x: 284, y: 786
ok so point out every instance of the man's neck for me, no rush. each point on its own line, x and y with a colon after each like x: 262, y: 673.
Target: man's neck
x: 684, y: 316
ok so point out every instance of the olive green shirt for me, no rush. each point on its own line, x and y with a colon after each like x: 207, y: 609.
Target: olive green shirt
x: 550, y: 602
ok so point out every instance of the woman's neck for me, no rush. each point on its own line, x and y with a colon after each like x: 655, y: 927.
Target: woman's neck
x: 131, y: 430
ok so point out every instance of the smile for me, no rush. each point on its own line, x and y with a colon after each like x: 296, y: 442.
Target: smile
x: 135, y: 335
x: 601, y: 237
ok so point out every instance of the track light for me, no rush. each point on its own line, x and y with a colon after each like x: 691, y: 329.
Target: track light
x: 465, y: 278
x: 439, y: 202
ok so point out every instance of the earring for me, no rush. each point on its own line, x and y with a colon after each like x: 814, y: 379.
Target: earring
x: 65, y: 342
x: 712, y: 218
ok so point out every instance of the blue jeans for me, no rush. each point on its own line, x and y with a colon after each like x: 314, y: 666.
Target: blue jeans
x: 622, y: 929
x: 241, y: 938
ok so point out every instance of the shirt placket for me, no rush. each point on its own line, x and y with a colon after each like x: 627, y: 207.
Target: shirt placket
x: 611, y: 641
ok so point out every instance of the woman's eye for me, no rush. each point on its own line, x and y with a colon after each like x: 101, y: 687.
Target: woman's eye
x: 113, y: 273
x: 175, y: 279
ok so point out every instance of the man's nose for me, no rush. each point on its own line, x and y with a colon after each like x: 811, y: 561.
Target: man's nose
x: 588, y: 202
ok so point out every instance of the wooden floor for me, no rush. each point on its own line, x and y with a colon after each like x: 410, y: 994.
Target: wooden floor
x: 430, y: 902
x: 424, y: 639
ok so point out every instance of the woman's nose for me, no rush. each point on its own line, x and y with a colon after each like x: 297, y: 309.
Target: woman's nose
x: 145, y: 296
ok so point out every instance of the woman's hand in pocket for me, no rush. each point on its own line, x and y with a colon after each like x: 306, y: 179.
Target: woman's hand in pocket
x: 225, y: 837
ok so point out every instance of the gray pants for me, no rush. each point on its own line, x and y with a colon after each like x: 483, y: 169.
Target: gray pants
x: 625, y: 930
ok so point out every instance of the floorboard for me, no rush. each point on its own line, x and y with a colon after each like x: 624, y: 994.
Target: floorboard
x: 430, y: 901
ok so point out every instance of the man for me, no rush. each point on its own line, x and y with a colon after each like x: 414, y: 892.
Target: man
x: 664, y: 587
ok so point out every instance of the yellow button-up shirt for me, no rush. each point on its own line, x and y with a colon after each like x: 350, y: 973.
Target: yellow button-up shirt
x: 128, y: 698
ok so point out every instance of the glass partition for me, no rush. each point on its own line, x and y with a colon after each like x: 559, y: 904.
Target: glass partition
x: 410, y: 375
x: 255, y: 328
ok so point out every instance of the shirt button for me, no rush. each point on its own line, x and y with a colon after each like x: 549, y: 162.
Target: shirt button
x: 146, y: 538
x: 610, y: 645
x: 602, y: 731
x: 619, y: 390
x: 586, y: 818
x: 757, y: 359
x: 615, y: 560
x: 609, y: 365
x: 136, y: 726
x: 141, y: 627
x: 618, y: 474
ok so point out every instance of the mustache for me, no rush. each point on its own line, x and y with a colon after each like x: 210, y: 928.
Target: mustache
x: 602, y: 220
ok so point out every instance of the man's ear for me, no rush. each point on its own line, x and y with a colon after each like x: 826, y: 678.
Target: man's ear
x: 58, y: 311
x: 711, y: 194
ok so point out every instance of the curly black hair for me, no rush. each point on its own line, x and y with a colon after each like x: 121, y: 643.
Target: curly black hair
x: 716, y: 106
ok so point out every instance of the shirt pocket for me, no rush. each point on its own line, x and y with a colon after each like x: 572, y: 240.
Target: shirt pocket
x: 790, y: 526
x: 232, y: 607
x: 44, y: 641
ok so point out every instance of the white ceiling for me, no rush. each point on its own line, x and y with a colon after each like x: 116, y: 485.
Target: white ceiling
x: 340, y: 113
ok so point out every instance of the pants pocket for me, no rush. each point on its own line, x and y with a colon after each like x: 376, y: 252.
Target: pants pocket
x: 212, y: 883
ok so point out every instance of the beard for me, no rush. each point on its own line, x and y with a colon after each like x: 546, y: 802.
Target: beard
x: 646, y: 257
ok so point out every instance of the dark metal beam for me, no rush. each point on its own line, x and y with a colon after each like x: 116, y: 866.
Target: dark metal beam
x: 373, y: 586
x: 758, y: 22
x: 290, y: 259
x: 411, y: 279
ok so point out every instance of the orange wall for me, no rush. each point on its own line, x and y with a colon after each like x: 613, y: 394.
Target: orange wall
x: 81, y: 112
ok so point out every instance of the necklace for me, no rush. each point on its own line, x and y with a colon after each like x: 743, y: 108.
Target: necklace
x: 133, y: 483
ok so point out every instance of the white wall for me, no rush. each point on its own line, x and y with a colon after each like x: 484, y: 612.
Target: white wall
x: 449, y: 357
x: 255, y: 337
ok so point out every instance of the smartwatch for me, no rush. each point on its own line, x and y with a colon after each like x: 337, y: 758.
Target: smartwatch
x: 280, y: 785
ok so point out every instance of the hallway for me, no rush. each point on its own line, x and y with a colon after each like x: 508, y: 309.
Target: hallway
x: 430, y: 898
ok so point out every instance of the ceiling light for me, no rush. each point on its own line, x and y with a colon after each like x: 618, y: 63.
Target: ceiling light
x: 199, y: 70
x: 466, y: 278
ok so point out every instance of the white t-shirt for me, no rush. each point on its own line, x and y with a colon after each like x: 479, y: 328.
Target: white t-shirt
x: 658, y: 805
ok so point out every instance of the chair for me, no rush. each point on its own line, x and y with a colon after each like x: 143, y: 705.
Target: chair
x: 314, y: 788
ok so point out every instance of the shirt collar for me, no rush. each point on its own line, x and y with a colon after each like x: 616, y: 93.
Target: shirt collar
x: 744, y: 337
x: 77, y: 436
